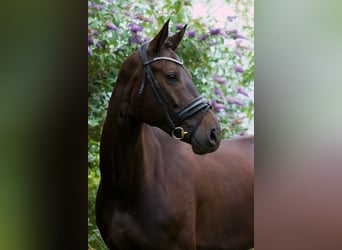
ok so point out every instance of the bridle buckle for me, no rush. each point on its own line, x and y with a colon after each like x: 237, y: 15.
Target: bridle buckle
x: 178, y: 133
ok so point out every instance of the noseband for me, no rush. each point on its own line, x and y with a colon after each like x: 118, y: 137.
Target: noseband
x: 174, y: 119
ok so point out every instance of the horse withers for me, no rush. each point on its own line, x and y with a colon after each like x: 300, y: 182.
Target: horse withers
x: 167, y: 182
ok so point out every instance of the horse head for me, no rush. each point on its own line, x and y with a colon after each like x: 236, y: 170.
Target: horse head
x: 162, y: 93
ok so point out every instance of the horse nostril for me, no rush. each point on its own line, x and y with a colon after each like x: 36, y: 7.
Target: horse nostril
x: 212, y: 137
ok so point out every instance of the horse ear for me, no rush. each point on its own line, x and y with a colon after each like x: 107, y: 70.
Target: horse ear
x: 174, y: 41
x: 160, y: 38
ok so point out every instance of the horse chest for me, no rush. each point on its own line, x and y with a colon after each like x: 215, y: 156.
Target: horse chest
x: 147, y: 226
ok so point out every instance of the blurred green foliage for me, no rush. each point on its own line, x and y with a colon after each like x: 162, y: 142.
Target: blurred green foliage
x: 220, y: 59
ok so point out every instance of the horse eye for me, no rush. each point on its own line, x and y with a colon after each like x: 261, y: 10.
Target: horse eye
x: 172, y: 77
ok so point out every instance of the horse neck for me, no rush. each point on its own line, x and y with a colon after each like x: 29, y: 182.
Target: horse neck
x: 126, y: 159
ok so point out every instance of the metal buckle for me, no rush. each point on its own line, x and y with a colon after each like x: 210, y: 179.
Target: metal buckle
x: 181, y: 132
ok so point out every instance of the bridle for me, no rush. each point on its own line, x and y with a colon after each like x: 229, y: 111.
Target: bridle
x: 174, y: 119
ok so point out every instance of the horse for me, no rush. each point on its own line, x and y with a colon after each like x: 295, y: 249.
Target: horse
x: 168, y: 182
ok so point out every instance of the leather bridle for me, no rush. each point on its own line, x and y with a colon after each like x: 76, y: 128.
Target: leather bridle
x: 174, y: 119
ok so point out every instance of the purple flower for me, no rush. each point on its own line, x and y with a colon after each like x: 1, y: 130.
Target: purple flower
x: 214, y: 31
x: 135, y: 27
x: 95, y: 33
x: 89, y: 51
x: 135, y: 39
x: 231, y: 18
x: 232, y: 100
x: 110, y: 25
x: 236, y: 35
x: 179, y: 26
x: 203, y: 37
x: 137, y: 15
x: 239, y: 53
x: 243, y: 132
x: 90, y: 39
x: 98, y: 6
x: 238, y: 69
x: 220, y: 79
x: 242, y: 91
x: 99, y: 45
x: 147, y: 39
x: 191, y: 33
x: 218, y: 92
x: 217, y: 106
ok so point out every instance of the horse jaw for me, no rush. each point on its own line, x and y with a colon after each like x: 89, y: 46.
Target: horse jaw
x: 203, y: 144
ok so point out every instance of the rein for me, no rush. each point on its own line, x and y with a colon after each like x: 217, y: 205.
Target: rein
x: 175, y: 118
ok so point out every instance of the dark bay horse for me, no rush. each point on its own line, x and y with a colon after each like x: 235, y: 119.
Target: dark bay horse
x: 167, y: 182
